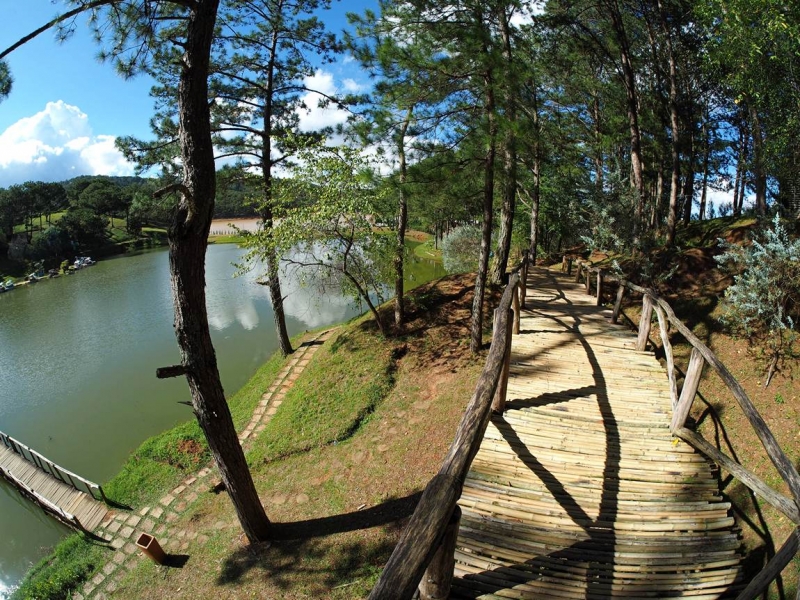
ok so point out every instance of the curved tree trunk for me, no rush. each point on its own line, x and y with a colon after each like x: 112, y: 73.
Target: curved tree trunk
x: 188, y: 237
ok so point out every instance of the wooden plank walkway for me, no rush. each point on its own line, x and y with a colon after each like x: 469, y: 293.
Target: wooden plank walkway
x: 88, y: 511
x: 579, y: 490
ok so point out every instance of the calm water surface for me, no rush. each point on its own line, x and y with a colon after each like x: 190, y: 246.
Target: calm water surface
x: 77, y: 368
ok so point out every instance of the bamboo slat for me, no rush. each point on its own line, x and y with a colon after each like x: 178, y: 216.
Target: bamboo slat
x: 579, y: 489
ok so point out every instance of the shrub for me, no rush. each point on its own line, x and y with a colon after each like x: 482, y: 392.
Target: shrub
x: 461, y: 249
x: 764, y: 300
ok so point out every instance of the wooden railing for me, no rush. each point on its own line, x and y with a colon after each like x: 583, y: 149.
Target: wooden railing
x: 682, y: 403
x: 48, y: 466
x: 424, y: 557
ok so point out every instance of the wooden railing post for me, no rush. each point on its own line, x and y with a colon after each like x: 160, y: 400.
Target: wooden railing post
x: 438, y: 577
x: 760, y: 582
x: 588, y: 281
x: 578, y: 272
x: 644, y: 323
x: 663, y: 326
x: 516, y: 309
x: 599, y: 287
x: 523, y: 284
x: 618, y: 303
x: 689, y: 390
x: 499, y: 401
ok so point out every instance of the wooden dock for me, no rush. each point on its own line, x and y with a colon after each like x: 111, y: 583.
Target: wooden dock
x: 579, y: 490
x: 25, y: 470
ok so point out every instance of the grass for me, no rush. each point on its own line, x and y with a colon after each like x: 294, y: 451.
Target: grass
x: 72, y: 562
x: 341, y: 389
x: 156, y: 466
x: 427, y: 250
x: 338, y: 468
x: 226, y: 239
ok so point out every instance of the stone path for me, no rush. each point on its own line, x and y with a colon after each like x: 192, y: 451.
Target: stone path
x: 122, y: 528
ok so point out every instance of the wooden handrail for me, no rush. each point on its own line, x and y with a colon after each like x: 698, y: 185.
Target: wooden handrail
x: 702, y: 354
x: 423, y: 535
x: 48, y: 466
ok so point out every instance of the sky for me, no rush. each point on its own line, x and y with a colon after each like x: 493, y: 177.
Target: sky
x: 66, y: 107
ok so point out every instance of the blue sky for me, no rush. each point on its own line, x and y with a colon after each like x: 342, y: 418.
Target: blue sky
x: 66, y: 108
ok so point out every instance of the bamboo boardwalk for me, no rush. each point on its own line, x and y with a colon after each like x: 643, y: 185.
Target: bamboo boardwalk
x: 579, y: 490
x: 64, y: 498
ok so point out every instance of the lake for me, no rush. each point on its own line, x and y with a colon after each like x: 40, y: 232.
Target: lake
x: 78, y: 357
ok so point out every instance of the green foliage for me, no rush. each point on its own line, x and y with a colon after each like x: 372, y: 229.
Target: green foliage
x: 84, y: 227
x: 52, y: 243
x: 58, y: 576
x: 326, y: 212
x: 5, y: 80
x: 460, y: 249
x: 764, y: 300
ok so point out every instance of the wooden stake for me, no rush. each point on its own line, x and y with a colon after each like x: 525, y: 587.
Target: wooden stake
x: 499, y: 402
x: 618, y: 303
x: 673, y: 384
x: 515, y: 309
x: 588, y: 281
x: 599, y: 287
x: 644, y: 323
x: 689, y: 390
x: 438, y: 577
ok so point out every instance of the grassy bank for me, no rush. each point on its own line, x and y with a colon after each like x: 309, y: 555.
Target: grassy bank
x: 341, y: 463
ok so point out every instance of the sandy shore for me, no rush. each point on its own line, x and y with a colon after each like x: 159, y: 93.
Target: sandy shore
x: 224, y: 226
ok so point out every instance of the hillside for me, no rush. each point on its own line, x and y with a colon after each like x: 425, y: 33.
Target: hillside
x: 362, y: 427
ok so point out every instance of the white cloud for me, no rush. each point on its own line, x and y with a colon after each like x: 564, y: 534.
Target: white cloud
x: 315, y: 117
x: 55, y: 144
x: 351, y: 85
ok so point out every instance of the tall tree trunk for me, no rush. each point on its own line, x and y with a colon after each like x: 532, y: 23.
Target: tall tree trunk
x: 739, y: 168
x: 632, y: 106
x: 675, y: 135
x: 759, y: 169
x: 688, y: 183
x: 188, y: 238
x: 706, y: 160
x: 402, y: 224
x: 655, y: 215
x: 537, y: 179
x: 510, y: 93
x: 598, y: 144
x: 535, y: 202
x: 270, y: 257
x: 476, y: 319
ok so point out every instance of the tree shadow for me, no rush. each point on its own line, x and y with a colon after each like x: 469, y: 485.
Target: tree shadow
x: 588, y: 554
x: 313, y: 550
